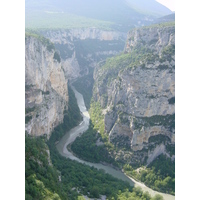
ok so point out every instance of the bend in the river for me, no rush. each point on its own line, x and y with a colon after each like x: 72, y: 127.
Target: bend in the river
x: 70, y: 136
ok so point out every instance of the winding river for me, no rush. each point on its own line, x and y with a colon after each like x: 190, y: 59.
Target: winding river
x: 70, y: 136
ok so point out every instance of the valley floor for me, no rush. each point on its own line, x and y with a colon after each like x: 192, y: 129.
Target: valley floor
x: 75, y: 132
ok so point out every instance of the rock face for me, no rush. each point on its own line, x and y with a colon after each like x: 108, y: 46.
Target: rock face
x: 46, y: 91
x: 137, y: 89
x: 83, y: 48
x: 64, y: 36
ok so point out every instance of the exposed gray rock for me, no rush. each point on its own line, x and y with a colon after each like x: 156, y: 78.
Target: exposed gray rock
x: 77, y: 57
x: 46, y: 88
x: 140, y: 88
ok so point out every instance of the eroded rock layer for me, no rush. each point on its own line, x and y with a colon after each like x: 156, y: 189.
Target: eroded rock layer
x: 46, y: 91
x: 136, y: 89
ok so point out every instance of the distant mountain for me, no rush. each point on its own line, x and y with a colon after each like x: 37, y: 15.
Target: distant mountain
x: 151, y: 7
x: 167, y: 18
x: 115, y: 14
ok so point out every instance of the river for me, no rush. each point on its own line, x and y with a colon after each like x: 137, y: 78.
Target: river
x: 70, y: 136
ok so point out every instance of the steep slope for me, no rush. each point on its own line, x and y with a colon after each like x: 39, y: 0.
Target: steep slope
x: 166, y: 18
x: 45, y: 86
x: 150, y: 7
x: 136, y: 94
x: 81, y: 49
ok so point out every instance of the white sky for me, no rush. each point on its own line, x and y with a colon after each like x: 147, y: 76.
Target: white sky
x: 168, y: 3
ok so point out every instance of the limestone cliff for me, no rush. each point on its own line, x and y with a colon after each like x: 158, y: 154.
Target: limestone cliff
x: 136, y: 90
x: 64, y: 36
x: 83, y: 48
x: 46, y: 92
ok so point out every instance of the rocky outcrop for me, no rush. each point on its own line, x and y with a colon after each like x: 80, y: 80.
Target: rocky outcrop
x: 136, y: 89
x: 46, y: 91
x: 81, y: 49
x: 64, y: 36
x: 155, y: 37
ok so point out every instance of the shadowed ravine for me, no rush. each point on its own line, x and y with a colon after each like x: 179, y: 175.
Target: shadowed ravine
x: 70, y: 136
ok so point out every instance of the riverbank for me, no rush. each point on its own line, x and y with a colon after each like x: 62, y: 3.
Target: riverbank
x: 70, y: 136
x: 151, y: 192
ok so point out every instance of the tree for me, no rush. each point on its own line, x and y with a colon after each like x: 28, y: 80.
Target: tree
x: 157, y: 197
x: 95, y: 192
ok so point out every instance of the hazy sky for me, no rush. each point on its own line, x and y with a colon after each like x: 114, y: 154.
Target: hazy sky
x: 168, y: 3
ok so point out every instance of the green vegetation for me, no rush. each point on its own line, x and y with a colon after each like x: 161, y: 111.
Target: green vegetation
x: 117, y: 15
x: 171, y: 100
x: 158, y: 139
x: 138, y: 57
x: 163, y: 67
x: 46, y: 42
x: 159, y: 175
x: 167, y: 53
x: 57, y: 56
x: 41, y: 178
x: 27, y: 87
x: 137, y: 194
x: 161, y: 139
x: 28, y: 110
x: 97, y: 118
x: 118, y: 62
x: 58, y: 20
x: 71, y: 117
x: 84, y: 85
x: 87, y: 149
x: 45, y: 92
x: 167, y: 121
x: 160, y: 25
x: 27, y: 119
x: 129, y: 60
x: 88, y: 180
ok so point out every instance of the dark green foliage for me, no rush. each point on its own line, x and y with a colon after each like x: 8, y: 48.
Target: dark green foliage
x: 40, y: 177
x: 122, y: 142
x: 159, y: 175
x: 124, y: 119
x: 71, y: 117
x: 171, y: 100
x: 170, y: 149
x: 137, y: 194
x: 57, y: 56
x: 168, y: 121
x: 163, y: 67
x: 84, y: 85
x: 158, y: 139
x: 167, y: 53
x: 88, y: 180
x: 85, y: 147
x: 27, y: 119
x: 45, y: 93
x: 28, y: 110
x: 37, y: 164
x: 27, y: 87
x: 46, y: 42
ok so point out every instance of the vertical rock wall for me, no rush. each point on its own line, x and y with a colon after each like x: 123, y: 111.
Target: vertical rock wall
x: 46, y: 90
